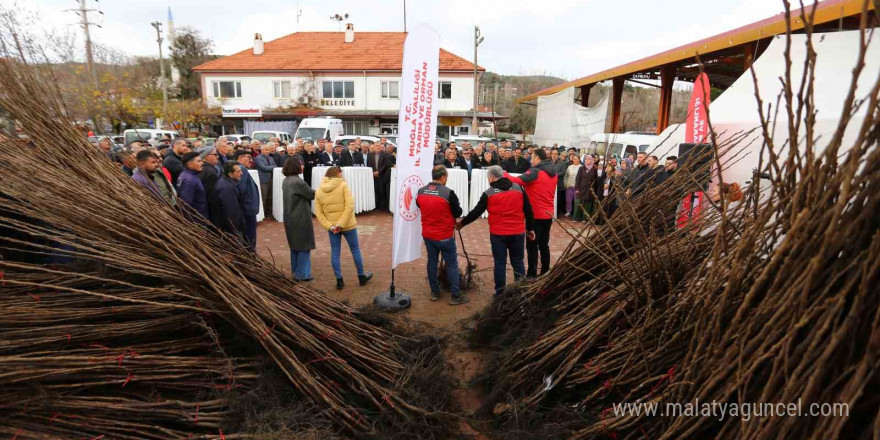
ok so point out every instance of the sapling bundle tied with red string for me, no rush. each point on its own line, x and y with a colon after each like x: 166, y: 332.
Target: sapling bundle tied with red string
x: 93, y: 257
x: 771, y: 299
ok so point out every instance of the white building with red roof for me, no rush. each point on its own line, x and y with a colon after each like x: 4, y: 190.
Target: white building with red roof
x: 355, y: 77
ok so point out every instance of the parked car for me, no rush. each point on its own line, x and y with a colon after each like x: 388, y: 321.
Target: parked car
x: 236, y: 139
x: 265, y: 135
x: 147, y: 134
x: 344, y: 140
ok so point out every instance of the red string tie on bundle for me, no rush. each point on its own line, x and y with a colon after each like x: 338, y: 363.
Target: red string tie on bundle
x: 17, y: 431
x: 668, y: 376
x: 3, y: 282
x: 35, y: 297
x: 197, y: 414
x: 269, y: 329
x: 387, y: 399
x: 327, y: 357
x: 223, y: 437
x: 128, y: 379
x: 52, y: 419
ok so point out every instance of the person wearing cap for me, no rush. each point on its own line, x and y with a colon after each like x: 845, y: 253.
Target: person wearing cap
x: 440, y: 208
x: 190, y: 187
x: 510, y: 223
x: 250, y: 195
x: 211, y: 170
x: 280, y: 155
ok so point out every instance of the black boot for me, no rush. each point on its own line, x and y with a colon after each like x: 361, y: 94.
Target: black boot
x: 366, y: 277
x: 340, y: 284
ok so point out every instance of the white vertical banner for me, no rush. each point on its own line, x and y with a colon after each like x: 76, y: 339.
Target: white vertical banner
x: 417, y: 124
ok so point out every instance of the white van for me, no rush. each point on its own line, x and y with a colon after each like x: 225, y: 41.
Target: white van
x: 264, y: 136
x: 313, y: 129
x: 146, y: 134
x: 620, y: 144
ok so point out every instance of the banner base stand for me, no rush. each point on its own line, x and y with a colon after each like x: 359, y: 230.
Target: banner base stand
x: 392, y: 300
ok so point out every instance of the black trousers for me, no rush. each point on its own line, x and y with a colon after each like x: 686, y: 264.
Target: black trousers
x: 541, y: 244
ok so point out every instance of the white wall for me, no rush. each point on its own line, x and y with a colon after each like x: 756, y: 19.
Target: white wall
x: 258, y: 89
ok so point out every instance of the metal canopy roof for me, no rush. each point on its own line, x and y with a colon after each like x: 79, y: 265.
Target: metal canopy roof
x: 722, y: 54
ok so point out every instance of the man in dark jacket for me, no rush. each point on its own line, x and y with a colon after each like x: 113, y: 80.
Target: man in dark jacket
x: 639, y: 176
x: 309, y: 159
x: 326, y: 154
x: 351, y: 156
x: 149, y: 175
x: 173, y: 160
x: 230, y: 206
x: 540, y: 185
x: 380, y: 162
x: 440, y: 209
x: 452, y: 160
x: 211, y: 170
x: 190, y: 187
x: 516, y: 164
x: 250, y: 194
x: 510, y: 223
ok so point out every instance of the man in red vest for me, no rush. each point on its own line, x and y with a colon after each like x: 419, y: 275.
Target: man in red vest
x: 540, y: 185
x: 440, y: 209
x: 510, y: 216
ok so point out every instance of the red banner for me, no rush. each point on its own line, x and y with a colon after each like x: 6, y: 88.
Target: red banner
x: 697, y: 132
x: 697, y: 123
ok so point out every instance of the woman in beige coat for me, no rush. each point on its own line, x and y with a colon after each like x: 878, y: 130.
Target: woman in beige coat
x: 334, y: 208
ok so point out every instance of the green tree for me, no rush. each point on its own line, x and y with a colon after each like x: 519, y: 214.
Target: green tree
x: 188, y: 50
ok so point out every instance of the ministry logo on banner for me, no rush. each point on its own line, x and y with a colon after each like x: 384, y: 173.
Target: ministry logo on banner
x: 417, y: 124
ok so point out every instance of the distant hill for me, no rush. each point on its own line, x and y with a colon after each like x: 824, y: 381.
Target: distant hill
x: 501, y: 92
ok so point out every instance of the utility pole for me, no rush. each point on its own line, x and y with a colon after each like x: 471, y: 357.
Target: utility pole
x: 158, y: 27
x: 85, y: 24
x: 404, y: 16
x: 478, y: 38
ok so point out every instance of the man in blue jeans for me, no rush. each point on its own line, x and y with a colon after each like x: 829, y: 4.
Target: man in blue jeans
x: 440, y: 208
x: 510, y: 222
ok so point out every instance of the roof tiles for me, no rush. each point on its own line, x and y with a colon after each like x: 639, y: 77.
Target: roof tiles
x: 329, y: 51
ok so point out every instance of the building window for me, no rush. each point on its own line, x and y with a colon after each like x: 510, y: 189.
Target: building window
x: 338, y: 89
x: 227, y: 89
x: 354, y: 127
x: 282, y: 89
x: 391, y: 89
x: 445, y: 89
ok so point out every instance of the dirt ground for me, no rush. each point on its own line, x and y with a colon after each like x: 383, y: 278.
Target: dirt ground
x: 374, y: 236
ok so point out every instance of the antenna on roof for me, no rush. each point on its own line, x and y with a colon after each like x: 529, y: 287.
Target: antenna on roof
x: 299, y: 13
x: 338, y: 19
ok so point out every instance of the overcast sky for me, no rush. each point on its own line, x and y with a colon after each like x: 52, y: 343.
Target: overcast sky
x: 565, y: 38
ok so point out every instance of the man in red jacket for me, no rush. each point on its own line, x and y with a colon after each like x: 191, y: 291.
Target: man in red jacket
x: 540, y: 185
x: 510, y: 216
x: 440, y: 208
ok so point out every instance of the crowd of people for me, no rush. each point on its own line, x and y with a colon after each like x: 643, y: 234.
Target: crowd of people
x: 211, y: 184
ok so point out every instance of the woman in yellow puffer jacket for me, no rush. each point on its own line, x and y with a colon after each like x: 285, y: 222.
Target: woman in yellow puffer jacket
x: 334, y: 208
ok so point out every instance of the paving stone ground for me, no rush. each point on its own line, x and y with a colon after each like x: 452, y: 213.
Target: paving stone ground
x: 374, y: 236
